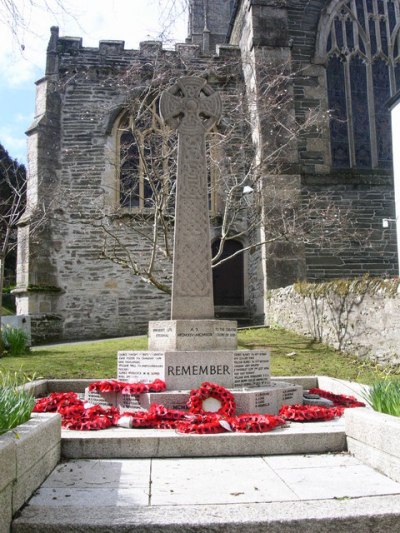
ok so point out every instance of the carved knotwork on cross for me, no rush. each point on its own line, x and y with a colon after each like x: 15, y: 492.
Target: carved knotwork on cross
x: 192, y: 108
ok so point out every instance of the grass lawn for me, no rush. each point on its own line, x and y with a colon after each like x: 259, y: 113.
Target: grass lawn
x: 291, y: 354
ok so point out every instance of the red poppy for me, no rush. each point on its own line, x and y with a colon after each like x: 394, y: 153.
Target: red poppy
x: 339, y: 400
x: 211, y: 390
x: 255, y: 423
x: 308, y: 413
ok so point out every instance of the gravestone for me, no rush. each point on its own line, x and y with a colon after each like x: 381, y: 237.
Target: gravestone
x: 193, y: 347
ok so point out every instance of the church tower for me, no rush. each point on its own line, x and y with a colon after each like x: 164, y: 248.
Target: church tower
x: 209, y: 22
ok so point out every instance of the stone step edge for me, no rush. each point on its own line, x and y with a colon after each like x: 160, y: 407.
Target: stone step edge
x: 145, y: 443
x: 371, y: 513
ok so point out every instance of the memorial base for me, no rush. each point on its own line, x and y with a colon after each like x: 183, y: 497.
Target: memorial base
x: 255, y: 400
x: 183, y: 370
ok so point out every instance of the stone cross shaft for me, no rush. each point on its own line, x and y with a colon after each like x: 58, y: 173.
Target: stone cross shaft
x: 192, y: 108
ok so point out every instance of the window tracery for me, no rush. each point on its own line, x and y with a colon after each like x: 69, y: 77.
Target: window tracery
x: 363, y: 71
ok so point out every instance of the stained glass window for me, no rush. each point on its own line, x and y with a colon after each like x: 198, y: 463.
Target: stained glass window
x: 363, y: 71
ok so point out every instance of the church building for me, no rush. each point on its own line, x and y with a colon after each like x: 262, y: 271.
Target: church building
x: 300, y: 166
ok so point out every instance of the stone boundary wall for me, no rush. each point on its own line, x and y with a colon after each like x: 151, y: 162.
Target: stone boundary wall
x: 366, y: 325
x: 28, y: 453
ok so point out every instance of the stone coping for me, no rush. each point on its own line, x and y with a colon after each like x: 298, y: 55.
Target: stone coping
x: 374, y: 438
x: 28, y: 453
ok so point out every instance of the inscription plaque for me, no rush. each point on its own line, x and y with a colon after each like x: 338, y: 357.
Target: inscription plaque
x: 190, y: 335
x: 251, y: 369
x: 105, y: 399
x: 140, y: 366
x: 127, y: 402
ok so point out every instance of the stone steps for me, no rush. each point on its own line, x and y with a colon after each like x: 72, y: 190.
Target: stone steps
x: 374, y: 514
x: 317, y: 437
x: 327, y: 493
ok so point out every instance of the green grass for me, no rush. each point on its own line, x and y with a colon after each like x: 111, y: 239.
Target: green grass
x: 291, y: 354
x: 80, y: 360
x: 6, y: 312
x: 297, y: 355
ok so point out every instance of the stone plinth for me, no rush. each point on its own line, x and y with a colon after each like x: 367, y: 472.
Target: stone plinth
x: 255, y: 400
x: 193, y: 335
x: 182, y: 370
x: 266, y: 399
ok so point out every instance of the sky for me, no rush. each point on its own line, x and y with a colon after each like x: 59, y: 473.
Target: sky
x: 23, y: 47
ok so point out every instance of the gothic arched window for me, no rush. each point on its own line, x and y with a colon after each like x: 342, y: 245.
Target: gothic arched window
x: 363, y: 71
x: 147, y: 161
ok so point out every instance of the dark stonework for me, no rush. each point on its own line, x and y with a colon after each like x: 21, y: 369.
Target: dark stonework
x: 77, y: 104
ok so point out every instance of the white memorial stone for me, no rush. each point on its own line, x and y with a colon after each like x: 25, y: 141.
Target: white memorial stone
x: 183, y: 370
x: 192, y: 335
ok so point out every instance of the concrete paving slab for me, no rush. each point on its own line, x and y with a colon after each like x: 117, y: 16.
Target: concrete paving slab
x: 216, y: 481
x: 325, y: 482
x: 93, y: 473
x: 78, y: 498
x: 279, y: 462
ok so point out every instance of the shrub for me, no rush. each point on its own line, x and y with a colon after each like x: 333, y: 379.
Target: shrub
x: 15, y: 340
x: 16, y: 404
x: 384, y: 396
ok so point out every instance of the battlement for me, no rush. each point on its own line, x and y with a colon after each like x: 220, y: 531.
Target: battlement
x: 67, y: 50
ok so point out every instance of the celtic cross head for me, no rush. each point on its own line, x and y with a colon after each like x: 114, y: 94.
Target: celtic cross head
x: 190, y: 106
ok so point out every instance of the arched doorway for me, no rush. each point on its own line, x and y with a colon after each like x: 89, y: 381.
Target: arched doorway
x: 228, y: 278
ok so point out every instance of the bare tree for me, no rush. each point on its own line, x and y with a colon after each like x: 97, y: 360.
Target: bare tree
x: 16, y: 15
x: 13, y: 206
x: 137, y: 220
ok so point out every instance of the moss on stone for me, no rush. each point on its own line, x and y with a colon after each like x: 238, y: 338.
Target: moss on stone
x: 344, y: 287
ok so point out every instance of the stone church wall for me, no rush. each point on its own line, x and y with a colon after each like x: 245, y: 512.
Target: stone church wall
x: 72, y: 169
x: 361, y: 324
x: 65, y: 284
x: 291, y: 29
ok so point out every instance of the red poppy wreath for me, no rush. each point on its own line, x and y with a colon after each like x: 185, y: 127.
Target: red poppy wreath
x: 211, y: 398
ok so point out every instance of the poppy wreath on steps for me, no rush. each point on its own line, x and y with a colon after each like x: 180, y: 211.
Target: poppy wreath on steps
x: 309, y: 413
x: 339, y: 400
x: 211, y: 390
x: 112, y: 385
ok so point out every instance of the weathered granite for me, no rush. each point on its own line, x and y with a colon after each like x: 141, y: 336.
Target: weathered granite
x: 192, y: 107
x: 183, y: 370
x: 192, y: 335
x: 28, y: 453
x: 266, y: 399
x: 374, y: 438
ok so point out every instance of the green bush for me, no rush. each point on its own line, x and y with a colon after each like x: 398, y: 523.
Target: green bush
x: 15, y: 340
x: 384, y: 396
x: 16, y: 404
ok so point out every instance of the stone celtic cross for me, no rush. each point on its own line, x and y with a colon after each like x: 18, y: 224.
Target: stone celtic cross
x: 192, y: 108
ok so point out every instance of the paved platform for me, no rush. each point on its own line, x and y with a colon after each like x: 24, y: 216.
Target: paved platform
x: 316, y: 437
x: 313, y: 493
